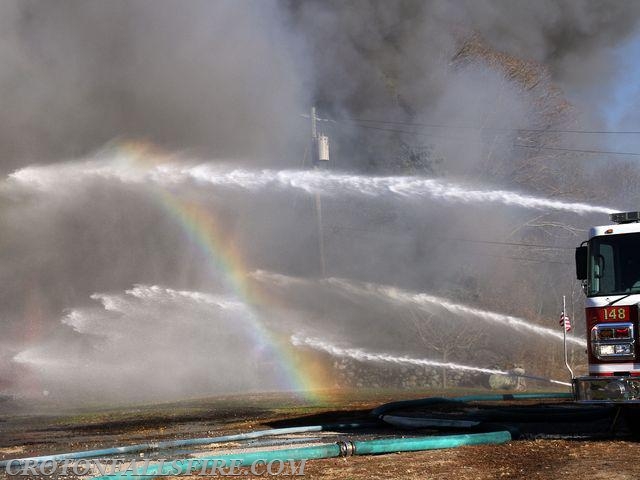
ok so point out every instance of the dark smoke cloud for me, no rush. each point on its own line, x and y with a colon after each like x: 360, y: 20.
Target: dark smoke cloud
x: 365, y: 48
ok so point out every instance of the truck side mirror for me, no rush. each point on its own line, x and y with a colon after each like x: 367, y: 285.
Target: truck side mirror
x: 581, y: 263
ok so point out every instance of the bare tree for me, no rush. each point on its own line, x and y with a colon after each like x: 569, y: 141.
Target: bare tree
x: 451, y: 339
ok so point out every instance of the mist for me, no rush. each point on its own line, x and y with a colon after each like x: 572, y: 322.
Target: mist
x: 112, y: 236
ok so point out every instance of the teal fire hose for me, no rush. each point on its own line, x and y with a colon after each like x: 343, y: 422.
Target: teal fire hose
x: 180, y: 443
x: 321, y: 451
x: 345, y: 448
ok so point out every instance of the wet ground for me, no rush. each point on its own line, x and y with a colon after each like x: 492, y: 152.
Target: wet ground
x: 596, y: 445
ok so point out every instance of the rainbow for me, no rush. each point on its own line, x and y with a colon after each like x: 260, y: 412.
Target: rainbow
x: 298, y: 373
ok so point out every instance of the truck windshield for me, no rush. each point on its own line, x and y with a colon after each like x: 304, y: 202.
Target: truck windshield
x: 614, y: 264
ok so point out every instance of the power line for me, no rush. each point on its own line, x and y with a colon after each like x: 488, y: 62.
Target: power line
x: 560, y: 149
x: 503, y: 129
x: 336, y: 228
x: 417, y: 134
x: 517, y: 145
x: 519, y: 259
x: 491, y: 242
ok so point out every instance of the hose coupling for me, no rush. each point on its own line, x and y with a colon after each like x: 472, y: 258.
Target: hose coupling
x: 347, y: 448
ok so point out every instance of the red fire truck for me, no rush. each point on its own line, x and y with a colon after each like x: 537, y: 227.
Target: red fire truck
x: 608, y: 263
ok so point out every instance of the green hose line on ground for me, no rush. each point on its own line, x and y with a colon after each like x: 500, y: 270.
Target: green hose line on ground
x: 364, y: 447
x: 182, y: 443
x: 181, y: 467
x: 414, y: 444
x: 424, y: 402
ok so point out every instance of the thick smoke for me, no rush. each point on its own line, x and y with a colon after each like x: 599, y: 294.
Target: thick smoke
x: 372, y: 54
x: 221, y: 77
x: 230, y: 78
x: 226, y: 82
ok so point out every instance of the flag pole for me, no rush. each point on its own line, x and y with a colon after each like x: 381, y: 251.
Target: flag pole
x: 564, y: 334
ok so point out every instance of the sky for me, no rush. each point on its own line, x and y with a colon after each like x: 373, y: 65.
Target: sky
x: 621, y: 112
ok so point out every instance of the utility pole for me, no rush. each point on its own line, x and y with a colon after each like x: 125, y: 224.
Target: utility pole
x: 320, y: 235
x: 318, y: 157
x: 319, y: 142
x: 314, y: 128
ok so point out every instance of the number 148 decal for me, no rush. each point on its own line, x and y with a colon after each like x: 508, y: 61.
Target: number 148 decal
x: 614, y: 313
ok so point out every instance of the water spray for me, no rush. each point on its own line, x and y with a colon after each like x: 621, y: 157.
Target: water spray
x: 51, y: 178
x: 422, y: 300
x: 365, y: 356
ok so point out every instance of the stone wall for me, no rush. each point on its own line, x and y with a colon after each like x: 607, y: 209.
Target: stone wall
x: 356, y: 374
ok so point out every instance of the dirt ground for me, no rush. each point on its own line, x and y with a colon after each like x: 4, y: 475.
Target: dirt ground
x: 605, y: 454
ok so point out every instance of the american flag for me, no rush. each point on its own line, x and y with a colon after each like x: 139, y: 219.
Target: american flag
x: 564, y: 320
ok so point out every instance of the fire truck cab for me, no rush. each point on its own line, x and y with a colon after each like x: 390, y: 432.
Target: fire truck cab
x: 608, y: 263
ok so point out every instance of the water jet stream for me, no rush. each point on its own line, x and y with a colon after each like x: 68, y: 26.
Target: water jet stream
x: 48, y: 178
x: 365, y: 356
x: 422, y: 300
